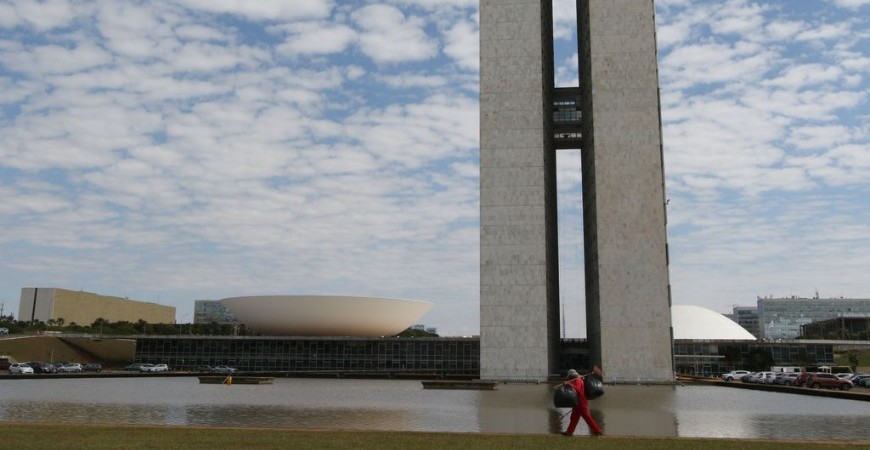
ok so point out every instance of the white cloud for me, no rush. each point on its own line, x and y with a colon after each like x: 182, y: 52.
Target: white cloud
x: 50, y: 59
x: 851, y: 4
x: 410, y: 80
x: 42, y: 15
x: 462, y: 43
x: 805, y: 75
x: 564, y: 19
x: 270, y: 10
x: 200, y: 33
x: 388, y: 36
x: 819, y: 137
x: 738, y: 17
x: 317, y: 38
x: 826, y: 32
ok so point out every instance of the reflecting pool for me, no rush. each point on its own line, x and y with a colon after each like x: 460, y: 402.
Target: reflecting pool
x: 403, y: 405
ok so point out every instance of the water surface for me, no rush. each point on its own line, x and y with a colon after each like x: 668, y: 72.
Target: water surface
x: 403, y: 405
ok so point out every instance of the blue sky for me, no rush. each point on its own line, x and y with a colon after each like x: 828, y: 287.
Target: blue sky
x: 199, y: 149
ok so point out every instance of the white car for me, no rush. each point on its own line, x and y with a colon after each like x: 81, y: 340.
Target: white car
x: 734, y: 375
x: 70, y: 368
x: 20, y: 368
x: 762, y: 378
x: 159, y: 368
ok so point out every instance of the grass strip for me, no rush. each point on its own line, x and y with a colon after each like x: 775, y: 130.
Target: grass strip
x: 27, y: 436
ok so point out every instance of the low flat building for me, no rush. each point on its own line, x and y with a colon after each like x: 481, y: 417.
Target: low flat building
x: 65, y: 307
x: 323, y: 355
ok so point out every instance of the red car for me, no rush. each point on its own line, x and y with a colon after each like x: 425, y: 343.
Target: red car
x: 802, y: 379
x: 828, y: 380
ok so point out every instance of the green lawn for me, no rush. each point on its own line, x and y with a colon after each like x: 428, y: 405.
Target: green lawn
x: 103, y: 437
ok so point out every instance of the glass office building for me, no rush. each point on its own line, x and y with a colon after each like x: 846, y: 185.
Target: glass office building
x: 782, y: 318
x: 747, y: 317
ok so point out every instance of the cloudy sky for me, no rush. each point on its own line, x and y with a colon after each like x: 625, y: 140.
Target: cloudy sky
x: 199, y: 149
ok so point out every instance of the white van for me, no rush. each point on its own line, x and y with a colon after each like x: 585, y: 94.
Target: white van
x: 4, y: 330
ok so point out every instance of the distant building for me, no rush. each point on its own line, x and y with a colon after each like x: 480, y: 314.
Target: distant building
x: 212, y: 311
x: 782, y: 318
x: 62, y: 306
x: 746, y: 317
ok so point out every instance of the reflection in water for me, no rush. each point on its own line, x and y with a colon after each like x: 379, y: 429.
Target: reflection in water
x: 687, y: 411
x: 637, y: 411
x: 515, y: 408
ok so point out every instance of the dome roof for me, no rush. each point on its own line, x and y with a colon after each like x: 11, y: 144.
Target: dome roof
x: 695, y: 322
x: 322, y: 315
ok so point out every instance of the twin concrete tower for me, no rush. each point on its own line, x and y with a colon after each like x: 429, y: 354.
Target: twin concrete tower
x: 613, y: 118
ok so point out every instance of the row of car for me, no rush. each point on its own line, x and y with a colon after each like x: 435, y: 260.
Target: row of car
x: 64, y: 367
x: 58, y: 367
x: 842, y: 381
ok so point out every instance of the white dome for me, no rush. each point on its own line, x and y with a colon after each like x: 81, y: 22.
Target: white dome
x: 695, y: 322
x: 321, y: 315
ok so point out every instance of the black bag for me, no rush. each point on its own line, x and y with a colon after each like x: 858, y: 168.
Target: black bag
x: 565, y: 397
x: 594, y: 387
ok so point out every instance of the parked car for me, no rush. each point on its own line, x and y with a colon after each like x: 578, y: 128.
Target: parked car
x: 856, y: 378
x: 145, y: 367
x: 745, y: 378
x: 158, y: 368
x: 734, y: 375
x: 786, y: 379
x: 802, y: 379
x: 828, y: 380
x: 4, y: 330
x: 761, y: 377
x: 70, y: 368
x: 20, y: 368
x: 771, y: 378
x: 204, y: 368
x: 224, y: 369
x: 844, y: 375
x: 93, y: 367
x: 41, y: 367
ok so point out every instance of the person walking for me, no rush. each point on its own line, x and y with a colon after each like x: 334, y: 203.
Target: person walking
x: 582, y: 407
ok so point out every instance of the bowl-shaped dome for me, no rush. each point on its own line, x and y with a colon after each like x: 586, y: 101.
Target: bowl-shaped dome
x: 696, y: 322
x: 321, y: 315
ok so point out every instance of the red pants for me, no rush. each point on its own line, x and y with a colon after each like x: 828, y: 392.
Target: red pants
x: 582, y: 410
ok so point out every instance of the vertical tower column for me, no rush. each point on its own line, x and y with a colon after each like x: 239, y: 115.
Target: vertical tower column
x: 519, y: 308
x: 627, y: 284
